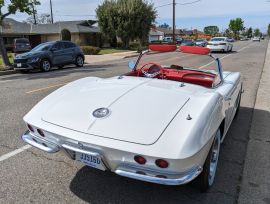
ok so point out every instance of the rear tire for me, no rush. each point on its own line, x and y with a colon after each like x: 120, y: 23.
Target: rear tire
x: 238, y: 104
x: 207, y: 176
x: 79, y: 61
x: 45, y: 65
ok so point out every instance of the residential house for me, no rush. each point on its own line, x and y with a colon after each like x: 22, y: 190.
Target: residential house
x: 155, y: 35
x: 82, y: 32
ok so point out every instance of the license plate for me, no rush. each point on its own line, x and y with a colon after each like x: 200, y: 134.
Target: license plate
x: 19, y: 65
x: 92, y: 161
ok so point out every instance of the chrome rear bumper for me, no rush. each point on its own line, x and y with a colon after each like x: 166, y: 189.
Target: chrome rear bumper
x: 175, y: 180
x: 130, y: 172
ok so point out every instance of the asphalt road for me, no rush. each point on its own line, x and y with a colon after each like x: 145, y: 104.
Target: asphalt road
x: 31, y: 176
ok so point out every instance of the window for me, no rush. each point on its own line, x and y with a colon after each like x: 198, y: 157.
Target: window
x: 69, y: 45
x: 59, y: 46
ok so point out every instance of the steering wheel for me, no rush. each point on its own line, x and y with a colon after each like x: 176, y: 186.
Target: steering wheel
x: 153, y: 70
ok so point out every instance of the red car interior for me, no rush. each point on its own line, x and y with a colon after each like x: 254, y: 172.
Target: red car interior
x: 187, y: 76
x: 175, y: 72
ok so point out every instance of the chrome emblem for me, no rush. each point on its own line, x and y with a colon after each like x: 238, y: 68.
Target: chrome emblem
x: 101, y: 112
x: 80, y: 145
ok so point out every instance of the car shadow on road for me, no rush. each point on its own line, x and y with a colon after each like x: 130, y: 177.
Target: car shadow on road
x: 95, y: 186
x: 224, y: 53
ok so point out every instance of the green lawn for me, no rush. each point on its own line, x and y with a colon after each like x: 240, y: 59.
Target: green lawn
x: 105, y: 51
x: 1, y: 61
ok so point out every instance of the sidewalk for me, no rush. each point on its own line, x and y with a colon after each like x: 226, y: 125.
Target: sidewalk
x: 91, y: 59
x: 255, y: 187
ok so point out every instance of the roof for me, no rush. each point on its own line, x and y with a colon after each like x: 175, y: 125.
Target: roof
x: 155, y: 32
x: 14, y: 27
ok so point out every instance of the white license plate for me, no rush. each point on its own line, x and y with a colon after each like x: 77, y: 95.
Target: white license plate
x: 92, y: 161
x: 19, y: 65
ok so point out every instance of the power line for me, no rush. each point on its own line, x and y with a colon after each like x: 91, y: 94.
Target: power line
x: 188, y: 3
x: 73, y: 15
x: 182, y: 4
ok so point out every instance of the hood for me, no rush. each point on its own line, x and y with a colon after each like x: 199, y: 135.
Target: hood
x: 140, y: 109
x: 30, y: 54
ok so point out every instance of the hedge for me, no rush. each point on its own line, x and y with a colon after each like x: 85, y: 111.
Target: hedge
x: 90, y: 50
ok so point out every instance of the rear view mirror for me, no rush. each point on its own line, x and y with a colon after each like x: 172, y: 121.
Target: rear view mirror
x: 131, y: 65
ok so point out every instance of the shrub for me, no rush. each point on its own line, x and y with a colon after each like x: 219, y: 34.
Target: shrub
x: 134, y: 45
x: 90, y: 50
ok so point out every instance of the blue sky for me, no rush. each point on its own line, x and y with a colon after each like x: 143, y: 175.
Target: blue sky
x: 255, y: 13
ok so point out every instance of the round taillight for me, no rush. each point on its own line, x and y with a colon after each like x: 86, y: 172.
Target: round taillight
x: 162, y: 163
x: 41, y: 133
x: 140, y: 159
x: 30, y: 128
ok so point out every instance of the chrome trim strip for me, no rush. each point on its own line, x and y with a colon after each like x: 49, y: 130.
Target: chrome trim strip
x: 39, y: 143
x: 189, y: 176
x: 80, y: 150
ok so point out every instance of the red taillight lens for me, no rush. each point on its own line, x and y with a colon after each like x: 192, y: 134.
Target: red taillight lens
x: 140, y: 159
x: 41, y: 133
x: 162, y: 163
x: 30, y: 128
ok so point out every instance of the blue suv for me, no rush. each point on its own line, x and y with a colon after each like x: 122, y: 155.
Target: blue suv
x: 47, y: 55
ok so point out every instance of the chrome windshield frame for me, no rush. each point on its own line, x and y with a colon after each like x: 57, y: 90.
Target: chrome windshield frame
x: 219, y: 68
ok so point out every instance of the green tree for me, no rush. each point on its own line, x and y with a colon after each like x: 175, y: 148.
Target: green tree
x: 236, y: 25
x: 249, y: 32
x: 164, y: 25
x: 211, y: 30
x: 268, y: 30
x: 228, y: 33
x: 257, y: 32
x: 23, y: 6
x: 127, y: 19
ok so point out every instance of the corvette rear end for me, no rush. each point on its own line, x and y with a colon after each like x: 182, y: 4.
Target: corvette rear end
x: 138, y: 125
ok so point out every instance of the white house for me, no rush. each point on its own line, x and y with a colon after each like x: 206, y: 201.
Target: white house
x: 155, y: 35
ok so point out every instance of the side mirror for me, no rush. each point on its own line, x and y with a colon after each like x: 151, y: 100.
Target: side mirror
x: 131, y: 65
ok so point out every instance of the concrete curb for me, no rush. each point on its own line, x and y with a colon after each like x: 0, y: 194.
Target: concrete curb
x: 255, y: 186
x: 130, y: 56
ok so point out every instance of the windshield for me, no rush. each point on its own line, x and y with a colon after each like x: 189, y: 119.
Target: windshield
x: 199, y: 40
x: 218, y: 39
x: 22, y: 41
x: 43, y: 47
x: 177, y: 58
x: 186, y: 40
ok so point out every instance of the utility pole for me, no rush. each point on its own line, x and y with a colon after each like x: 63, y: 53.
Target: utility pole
x: 174, y: 4
x: 51, y: 11
x: 34, y: 12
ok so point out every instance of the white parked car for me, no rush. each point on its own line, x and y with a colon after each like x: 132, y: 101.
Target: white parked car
x: 158, y: 123
x: 220, y: 44
x: 256, y: 39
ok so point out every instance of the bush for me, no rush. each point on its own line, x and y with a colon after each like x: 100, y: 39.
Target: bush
x: 90, y: 50
x: 120, y: 44
x: 134, y: 45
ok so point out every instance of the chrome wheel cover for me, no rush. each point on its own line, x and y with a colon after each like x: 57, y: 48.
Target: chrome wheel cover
x: 214, y: 159
x: 46, y: 65
x: 80, y: 61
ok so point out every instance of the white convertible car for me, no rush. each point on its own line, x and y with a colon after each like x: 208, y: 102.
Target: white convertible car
x: 163, y: 122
